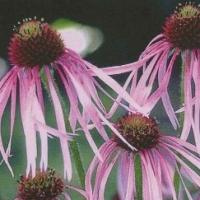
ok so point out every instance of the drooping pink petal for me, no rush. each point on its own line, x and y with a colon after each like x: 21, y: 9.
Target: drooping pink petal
x: 167, y: 175
x: 38, y: 114
x: 117, y: 88
x: 7, y: 85
x: 131, y: 179
x: 61, y: 125
x: 119, y: 98
x: 186, y: 190
x: 124, y: 169
x: 104, y: 178
x: 152, y: 100
x: 26, y: 96
x: 12, y: 114
x: 196, y: 75
x: 36, y: 74
x: 87, y: 104
x: 104, y: 167
x: 74, y: 108
x: 153, y: 184
x: 165, y: 97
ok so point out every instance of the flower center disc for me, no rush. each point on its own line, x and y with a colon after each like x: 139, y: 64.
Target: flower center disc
x: 182, y: 28
x: 34, y: 43
x: 140, y: 131
x: 44, y: 186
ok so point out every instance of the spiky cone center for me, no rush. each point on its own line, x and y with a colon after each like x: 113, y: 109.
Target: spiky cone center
x: 34, y: 43
x: 182, y: 28
x: 140, y: 131
x: 44, y: 186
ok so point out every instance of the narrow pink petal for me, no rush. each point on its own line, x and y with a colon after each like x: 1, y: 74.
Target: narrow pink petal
x: 61, y: 125
x: 107, y: 153
x: 88, y: 105
x: 156, y: 40
x: 70, y: 91
x: 194, y: 176
x: 8, y: 76
x: 12, y: 113
x: 104, y: 149
x: 119, y: 98
x: 153, y: 183
x: 117, y: 88
x: 166, y: 173
x: 147, y: 192
x: 113, y: 99
x: 67, y: 197
x: 89, y: 86
x: 127, y: 67
x: 186, y: 190
x: 54, y: 132
x: 36, y: 75
x: 189, y: 156
x: 131, y: 180
x: 196, y: 75
x: 38, y: 114
x: 162, y: 87
x: 26, y: 96
x: 188, y: 67
x: 122, y: 177
x: 73, y: 99
x: 105, y: 177
x: 146, y: 81
x: 165, y: 97
x: 7, y: 88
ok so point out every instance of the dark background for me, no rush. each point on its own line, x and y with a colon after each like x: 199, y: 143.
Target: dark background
x: 127, y: 25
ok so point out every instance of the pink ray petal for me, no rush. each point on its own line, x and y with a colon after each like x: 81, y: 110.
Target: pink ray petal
x: 61, y: 125
x: 27, y: 122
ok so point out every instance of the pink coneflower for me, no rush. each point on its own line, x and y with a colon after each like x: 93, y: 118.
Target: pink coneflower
x: 180, y: 39
x: 36, y: 47
x: 161, y: 156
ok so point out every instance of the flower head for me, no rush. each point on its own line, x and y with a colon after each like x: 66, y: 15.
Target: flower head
x: 159, y: 162
x: 140, y: 131
x: 37, y: 52
x: 44, y: 186
x: 182, y: 29
x: 35, y: 43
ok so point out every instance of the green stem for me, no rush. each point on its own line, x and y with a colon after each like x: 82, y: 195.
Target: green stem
x: 181, y: 100
x: 181, y: 120
x: 73, y: 144
x: 78, y: 162
x: 138, y: 177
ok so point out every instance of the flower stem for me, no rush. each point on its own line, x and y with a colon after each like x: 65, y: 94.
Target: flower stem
x: 78, y: 162
x: 181, y: 119
x: 138, y: 177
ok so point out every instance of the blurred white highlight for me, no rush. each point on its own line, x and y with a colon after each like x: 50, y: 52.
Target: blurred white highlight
x: 82, y: 39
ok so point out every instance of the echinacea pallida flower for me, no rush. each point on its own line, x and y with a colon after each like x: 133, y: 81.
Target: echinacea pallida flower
x: 35, y: 46
x: 45, y: 185
x: 161, y: 156
x: 180, y: 40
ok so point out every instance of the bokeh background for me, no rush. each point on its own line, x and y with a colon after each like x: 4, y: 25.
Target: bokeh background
x: 122, y: 28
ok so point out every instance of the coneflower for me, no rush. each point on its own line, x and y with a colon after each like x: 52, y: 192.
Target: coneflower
x: 161, y: 156
x: 44, y: 186
x: 36, y: 47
